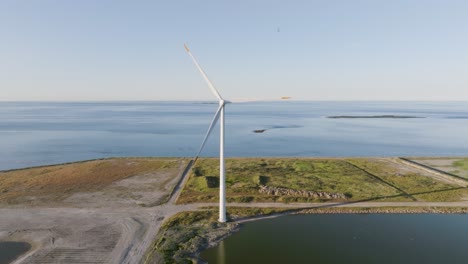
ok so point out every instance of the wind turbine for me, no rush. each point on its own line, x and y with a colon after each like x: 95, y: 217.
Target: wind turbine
x: 218, y: 115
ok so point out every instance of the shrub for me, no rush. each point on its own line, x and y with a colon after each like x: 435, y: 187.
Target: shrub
x: 197, y: 171
x: 260, y: 180
x: 212, y: 182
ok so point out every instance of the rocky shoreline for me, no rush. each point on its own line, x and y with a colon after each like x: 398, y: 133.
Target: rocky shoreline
x: 394, y: 210
x: 279, y: 191
x: 214, y: 240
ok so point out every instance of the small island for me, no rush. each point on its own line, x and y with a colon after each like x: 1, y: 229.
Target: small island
x: 376, y: 116
x: 259, y: 130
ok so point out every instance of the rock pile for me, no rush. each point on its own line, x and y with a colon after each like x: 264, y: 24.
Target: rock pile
x: 278, y: 191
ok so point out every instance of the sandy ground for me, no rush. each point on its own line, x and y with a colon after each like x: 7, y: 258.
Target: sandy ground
x: 119, y: 223
x: 70, y: 235
x: 114, y: 225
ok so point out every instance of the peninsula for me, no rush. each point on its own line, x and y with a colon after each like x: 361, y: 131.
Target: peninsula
x: 163, y: 210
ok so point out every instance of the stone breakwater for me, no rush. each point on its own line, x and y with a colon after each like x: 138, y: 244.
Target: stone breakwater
x: 278, y: 191
x: 407, y: 210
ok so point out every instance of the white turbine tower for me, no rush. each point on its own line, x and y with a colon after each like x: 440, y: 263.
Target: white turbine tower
x: 218, y: 115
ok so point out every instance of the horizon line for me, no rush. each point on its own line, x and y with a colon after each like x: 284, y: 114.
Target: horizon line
x: 215, y: 101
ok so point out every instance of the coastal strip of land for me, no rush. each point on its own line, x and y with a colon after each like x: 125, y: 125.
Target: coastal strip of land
x: 164, y: 210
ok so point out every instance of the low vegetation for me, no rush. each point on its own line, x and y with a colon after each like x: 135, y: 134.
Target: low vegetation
x: 455, y: 166
x: 56, y: 183
x: 185, y: 235
x: 358, y: 179
x: 412, y: 184
x: 461, y: 164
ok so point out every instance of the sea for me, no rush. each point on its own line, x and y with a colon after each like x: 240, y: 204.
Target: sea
x: 42, y: 133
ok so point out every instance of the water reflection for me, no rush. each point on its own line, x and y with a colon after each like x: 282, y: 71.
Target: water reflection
x: 221, y: 253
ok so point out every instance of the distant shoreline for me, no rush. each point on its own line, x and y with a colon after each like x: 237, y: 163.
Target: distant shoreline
x: 232, y: 158
x: 375, y: 116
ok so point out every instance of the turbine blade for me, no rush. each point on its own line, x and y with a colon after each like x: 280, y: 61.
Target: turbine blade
x: 213, y: 123
x: 212, y: 88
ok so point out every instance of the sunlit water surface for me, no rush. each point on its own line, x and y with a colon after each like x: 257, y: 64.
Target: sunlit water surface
x: 46, y: 133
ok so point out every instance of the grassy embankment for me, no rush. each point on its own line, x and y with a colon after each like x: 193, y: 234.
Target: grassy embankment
x: 357, y: 178
x: 183, y: 236
x: 417, y: 186
x: 462, y: 164
x: 461, y: 167
x: 55, y: 183
x: 453, y: 165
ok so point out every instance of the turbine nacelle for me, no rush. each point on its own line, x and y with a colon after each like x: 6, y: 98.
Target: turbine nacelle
x: 224, y: 102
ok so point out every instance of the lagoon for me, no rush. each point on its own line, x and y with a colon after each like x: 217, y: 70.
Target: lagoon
x: 347, y: 238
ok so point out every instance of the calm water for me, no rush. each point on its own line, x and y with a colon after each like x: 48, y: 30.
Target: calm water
x: 9, y: 251
x: 46, y: 133
x: 395, y: 238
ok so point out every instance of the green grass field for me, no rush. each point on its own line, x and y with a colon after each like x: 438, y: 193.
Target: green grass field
x: 453, y: 165
x: 416, y: 186
x: 461, y: 164
x: 357, y: 178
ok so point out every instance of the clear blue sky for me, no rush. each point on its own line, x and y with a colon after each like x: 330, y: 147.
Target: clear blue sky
x: 324, y: 50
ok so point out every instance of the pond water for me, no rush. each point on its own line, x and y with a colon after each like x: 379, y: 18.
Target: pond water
x: 9, y: 251
x: 348, y: 238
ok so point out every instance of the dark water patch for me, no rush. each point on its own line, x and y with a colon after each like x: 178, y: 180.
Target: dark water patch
x: 457, y: 117
x: 9, y: 251
x: 350, y: 238
x: 276, y: 127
